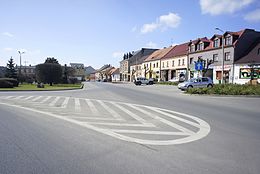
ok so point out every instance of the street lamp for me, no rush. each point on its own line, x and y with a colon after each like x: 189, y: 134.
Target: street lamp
x: 223, y: 55
x: 20, y: 52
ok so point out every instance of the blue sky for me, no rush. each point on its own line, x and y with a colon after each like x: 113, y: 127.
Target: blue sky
x: 98, y: 32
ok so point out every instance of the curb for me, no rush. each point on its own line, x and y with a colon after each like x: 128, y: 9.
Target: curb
x: 32, y: 90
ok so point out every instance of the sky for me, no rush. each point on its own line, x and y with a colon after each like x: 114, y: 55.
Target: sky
x: 98, y: 32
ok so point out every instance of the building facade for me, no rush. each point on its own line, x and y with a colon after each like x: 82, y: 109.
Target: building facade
x: 174, y: 64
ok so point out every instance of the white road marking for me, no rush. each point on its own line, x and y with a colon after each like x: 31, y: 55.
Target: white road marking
x: 46, y: 99
x: 18, y: 97
x: 92, y: 107
x: 185, y: 135
x: 169, y: 123
x: 65, y: 102
x: 123, y: 124
x: 8, y: 97
x: 111, y: 111
x: 136, y: 117
x: 54, y: 101
x: 77, y: 105
x: 148, y: 132
x: 37, y: 98
x: 27, y: 98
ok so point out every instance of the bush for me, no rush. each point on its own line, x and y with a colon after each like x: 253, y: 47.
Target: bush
x: 168, y: 83
x: 5, y: 84
x: 14, y: 82
x: 227, y: 89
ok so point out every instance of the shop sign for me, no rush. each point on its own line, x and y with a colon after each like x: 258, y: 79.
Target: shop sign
x: 245, y: 73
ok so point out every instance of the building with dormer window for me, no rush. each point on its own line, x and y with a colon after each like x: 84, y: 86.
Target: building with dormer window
x: 210, y: 50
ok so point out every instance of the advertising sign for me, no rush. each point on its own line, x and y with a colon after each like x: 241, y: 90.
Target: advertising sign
x: 245, y: 73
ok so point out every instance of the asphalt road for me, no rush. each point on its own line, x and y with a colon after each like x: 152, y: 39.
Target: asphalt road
x: 123, y: 128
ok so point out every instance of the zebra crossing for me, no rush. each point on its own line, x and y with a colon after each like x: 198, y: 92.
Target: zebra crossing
x: 126, y: 121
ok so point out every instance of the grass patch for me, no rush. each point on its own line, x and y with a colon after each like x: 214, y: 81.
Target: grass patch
x: 29, y: 87
x: 227, y: 89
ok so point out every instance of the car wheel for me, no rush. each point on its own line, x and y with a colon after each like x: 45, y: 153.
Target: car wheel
x: 209, y: 86
x: 189, y: 87
x: 150, y: 83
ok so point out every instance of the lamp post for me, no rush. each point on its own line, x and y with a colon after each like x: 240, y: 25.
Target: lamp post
x: 223, y: 56
x: 20, y: 52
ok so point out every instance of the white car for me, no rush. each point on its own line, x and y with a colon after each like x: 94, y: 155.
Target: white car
x: 143, y: 80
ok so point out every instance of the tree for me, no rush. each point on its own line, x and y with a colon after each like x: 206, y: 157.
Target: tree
x: 51, y: 60
x: 10, y: 70
x: 49, y: 72
x: 206, y: 63
x: 66, y: 73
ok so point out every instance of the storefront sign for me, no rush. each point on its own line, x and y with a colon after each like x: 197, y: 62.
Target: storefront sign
x: 219, y: 68
x: 245, y: 73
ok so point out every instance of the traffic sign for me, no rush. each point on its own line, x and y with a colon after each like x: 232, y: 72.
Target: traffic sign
x: 198, y: 66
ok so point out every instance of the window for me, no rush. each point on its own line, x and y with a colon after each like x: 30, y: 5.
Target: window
x: 167, y: 64
x: 200, y: 46
x: 192, y: 48
x: 227, y: 56
x: 163, y: 64
x: 216, y: 43
x: 215, y: 57
x: 173, y: 63
x: 154, y: 65
x: 205, y: 79
x: 183, y: 63
x: 179, y: 62
x: 157, y: 65
x: 228, y: 40
x: 191, y: 60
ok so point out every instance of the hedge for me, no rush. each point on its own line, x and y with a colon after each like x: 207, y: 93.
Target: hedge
x: 12, y: 81
x: 227, y: 89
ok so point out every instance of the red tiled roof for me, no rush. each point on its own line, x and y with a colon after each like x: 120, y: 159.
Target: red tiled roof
x: 178, y: 50
x: 158, y: 54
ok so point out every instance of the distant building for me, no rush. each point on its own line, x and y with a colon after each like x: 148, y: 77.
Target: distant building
x: 88, y: 71
x: 115, y: 75
x: 79, y: 72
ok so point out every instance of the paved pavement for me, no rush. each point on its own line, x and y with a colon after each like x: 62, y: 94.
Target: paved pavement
x: 123, y: 128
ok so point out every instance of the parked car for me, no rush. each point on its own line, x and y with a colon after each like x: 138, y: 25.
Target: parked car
x: 201, y: 82
x: 143, y: 80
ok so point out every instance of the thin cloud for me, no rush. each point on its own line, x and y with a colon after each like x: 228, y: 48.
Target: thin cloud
x: 253, y: 16
x: 118, y: 54
x: 218, y: 7
x: 151, y: 45
x: 172, y: 20
x: 8, y: 49
x: 134, y: 29
x: 7, y: 34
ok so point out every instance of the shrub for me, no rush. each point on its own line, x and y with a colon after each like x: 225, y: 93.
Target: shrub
x: 227, y: 89
x: 14, y: 82
x: 5, y: 84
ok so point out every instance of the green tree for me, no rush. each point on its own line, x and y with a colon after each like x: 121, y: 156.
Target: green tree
x: 51, y: 60
x: 10, y: 69
x: 49, y: 72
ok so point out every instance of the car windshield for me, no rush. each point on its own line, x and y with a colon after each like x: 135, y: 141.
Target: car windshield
x: 192, y: 80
